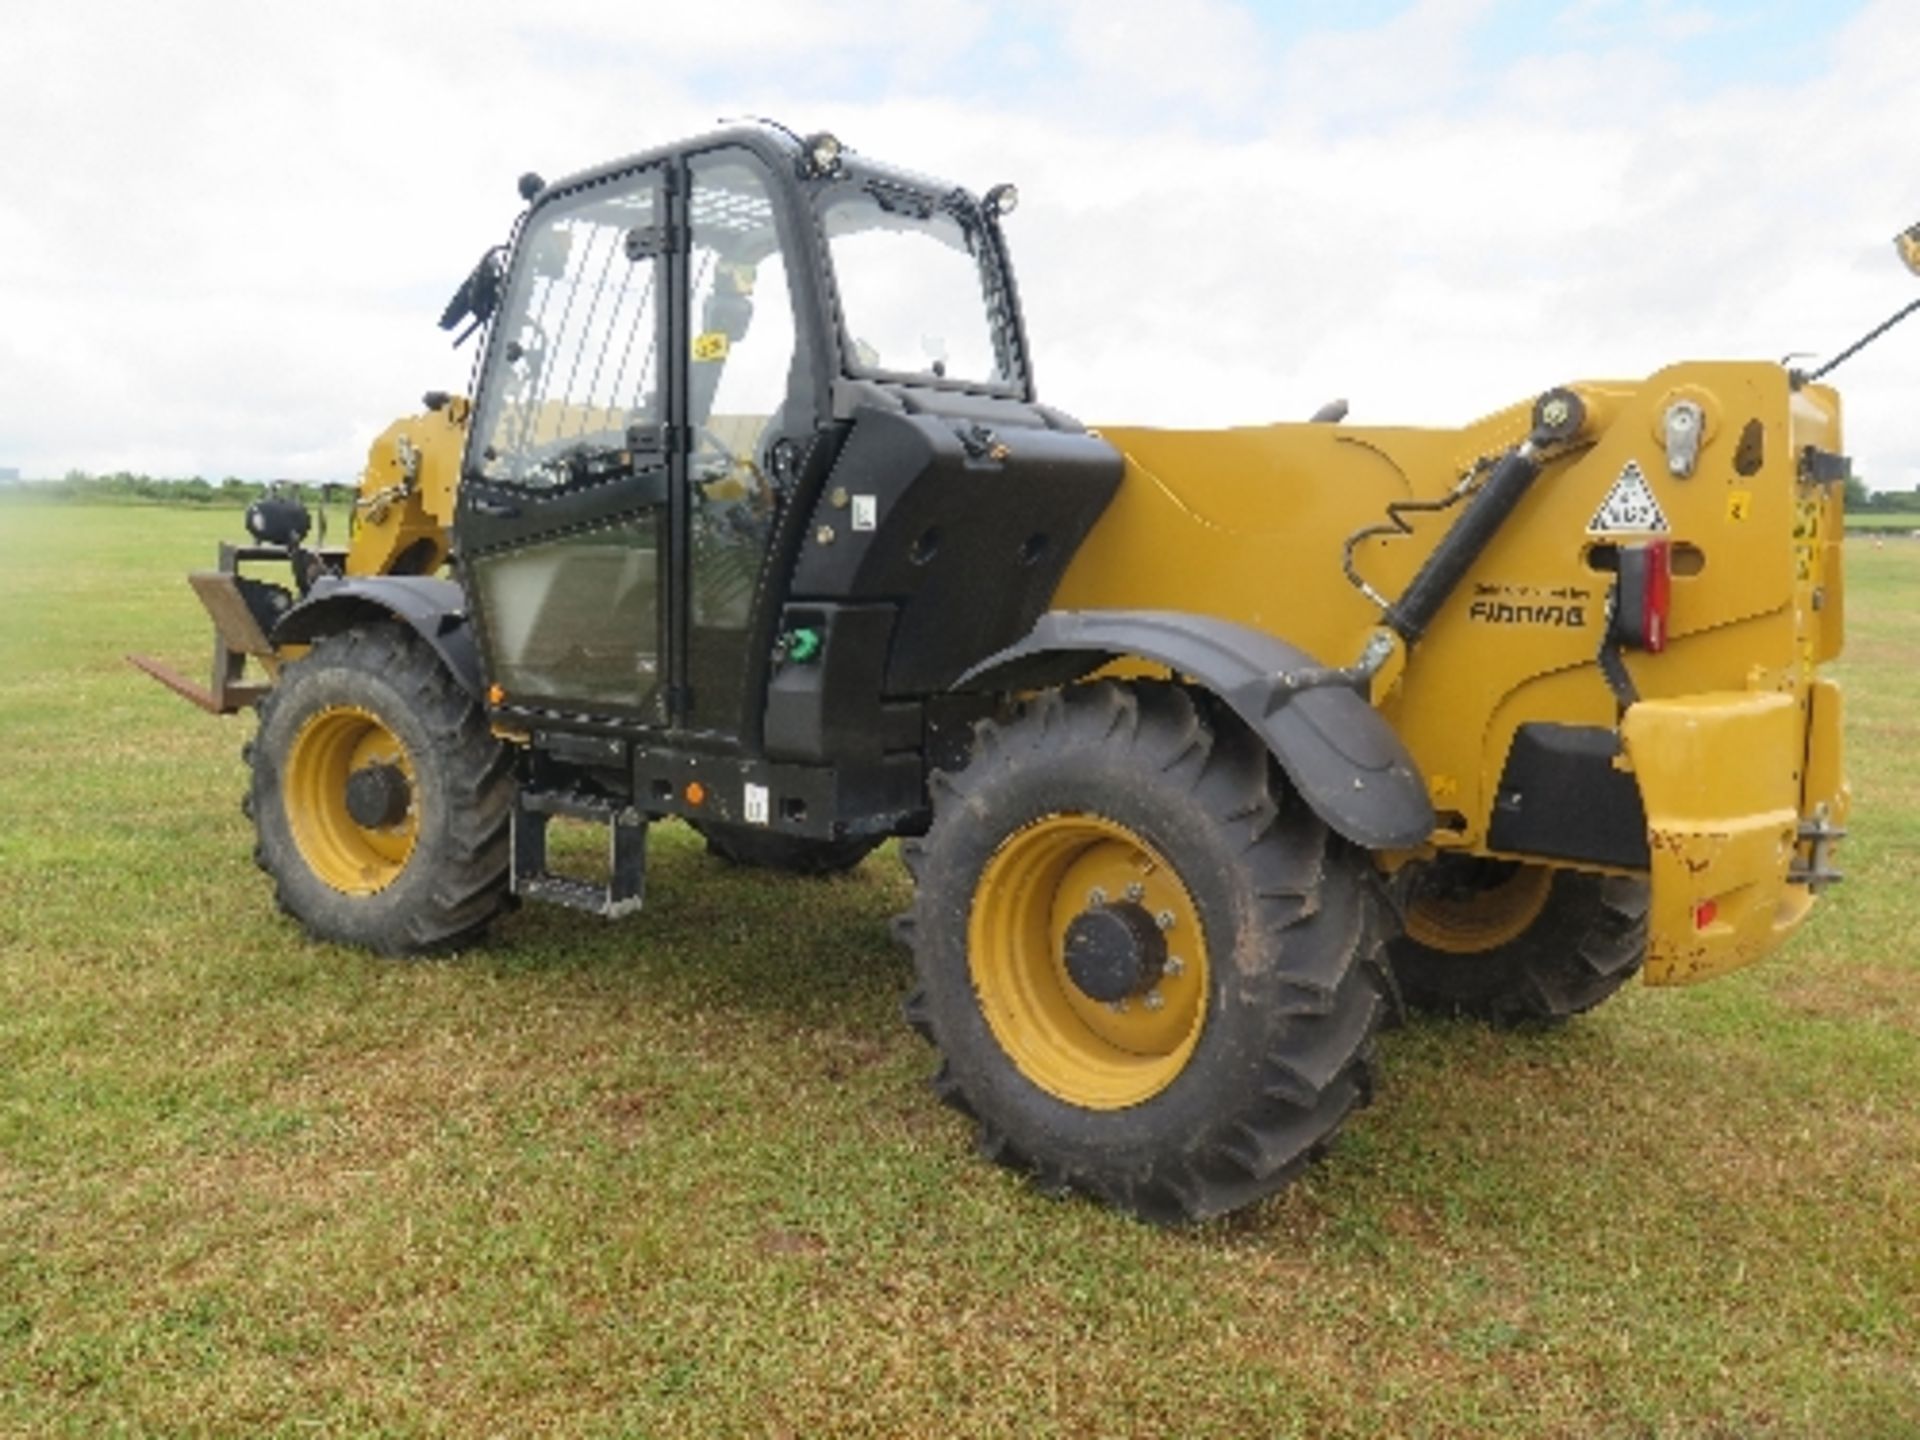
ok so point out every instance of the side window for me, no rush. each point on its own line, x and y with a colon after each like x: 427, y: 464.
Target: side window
x: 578, y: 344
x: 917, y: 288
x: 741, y: 310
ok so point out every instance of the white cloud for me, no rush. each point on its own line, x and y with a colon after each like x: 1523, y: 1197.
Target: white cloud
x: 227, y: 228
x: 1205, y: 53
x: 1374, y: 76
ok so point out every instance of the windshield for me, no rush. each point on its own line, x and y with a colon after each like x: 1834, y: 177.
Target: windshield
x: 916, y: 287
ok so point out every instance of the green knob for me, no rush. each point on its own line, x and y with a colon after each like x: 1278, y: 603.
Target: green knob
x: 803, y: 645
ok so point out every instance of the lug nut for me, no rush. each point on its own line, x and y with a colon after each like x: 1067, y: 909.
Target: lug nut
x: 1136, y: 892
x: 1096, y: 896
x: 1175, y: 965
x: 1155, y: 1000
x: 1164, y: 919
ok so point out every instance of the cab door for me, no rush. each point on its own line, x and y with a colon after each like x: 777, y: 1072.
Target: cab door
x: 562, y: 526
x: 751, y: 412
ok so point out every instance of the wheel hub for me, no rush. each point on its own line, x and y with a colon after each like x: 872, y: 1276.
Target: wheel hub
x: 1070, y: 909
x: 378, y: 796
x: 349, y: 790
x: 1114, y: 951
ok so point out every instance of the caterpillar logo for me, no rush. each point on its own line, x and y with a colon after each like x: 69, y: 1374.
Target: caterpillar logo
x: 1565, y: 607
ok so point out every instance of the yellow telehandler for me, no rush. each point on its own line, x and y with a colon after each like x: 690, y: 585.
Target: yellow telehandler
x: 1207, y: 750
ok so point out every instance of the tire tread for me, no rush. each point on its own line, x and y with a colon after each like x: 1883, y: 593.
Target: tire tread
x: 1314, y: 904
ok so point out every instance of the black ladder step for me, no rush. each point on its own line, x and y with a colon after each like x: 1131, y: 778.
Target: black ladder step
x: 575, y: 894
x: 626, y: 852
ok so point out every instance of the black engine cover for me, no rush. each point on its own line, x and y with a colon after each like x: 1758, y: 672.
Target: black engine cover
x: 966, y: 528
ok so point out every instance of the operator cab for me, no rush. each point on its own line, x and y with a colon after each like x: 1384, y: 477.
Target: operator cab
x: 737, y: 400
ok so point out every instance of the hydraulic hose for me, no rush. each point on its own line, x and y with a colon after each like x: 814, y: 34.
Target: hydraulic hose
x: 1557, y: 416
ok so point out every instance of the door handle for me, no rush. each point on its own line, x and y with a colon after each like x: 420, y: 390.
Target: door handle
x: 494, y: 509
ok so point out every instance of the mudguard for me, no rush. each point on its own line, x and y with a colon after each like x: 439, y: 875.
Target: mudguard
x: 435, y: 609
x: 1343, y: 758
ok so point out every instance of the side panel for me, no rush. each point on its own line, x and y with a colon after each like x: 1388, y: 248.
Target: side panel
x: 1249, y: 526
x: 965, y: 528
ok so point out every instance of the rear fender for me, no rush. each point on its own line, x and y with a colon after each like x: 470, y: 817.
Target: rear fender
x: 1343, y: 758
x: 435, y: 609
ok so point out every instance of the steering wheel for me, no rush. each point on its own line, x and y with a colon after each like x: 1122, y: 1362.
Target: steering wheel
x: 714, y: 463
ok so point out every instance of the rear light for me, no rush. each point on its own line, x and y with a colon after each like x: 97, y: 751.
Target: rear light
x: 1644, y: 595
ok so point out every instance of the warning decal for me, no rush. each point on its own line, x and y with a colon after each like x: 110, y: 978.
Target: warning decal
x: 1630, y: 506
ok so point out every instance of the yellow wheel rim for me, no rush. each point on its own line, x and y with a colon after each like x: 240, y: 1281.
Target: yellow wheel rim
x: 332, y: 746
x: 1097, y: 1054
x: 1483, y: 919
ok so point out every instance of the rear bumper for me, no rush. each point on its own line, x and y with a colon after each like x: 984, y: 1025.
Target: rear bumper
x: 1722, y: 777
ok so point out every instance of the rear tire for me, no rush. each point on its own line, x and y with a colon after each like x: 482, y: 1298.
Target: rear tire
x: 758, y: 849
x: 1260, y: 1043
x: 416, y: 860
x: 1517, y: 944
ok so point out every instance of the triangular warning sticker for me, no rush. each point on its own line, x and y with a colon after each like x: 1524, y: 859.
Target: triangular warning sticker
x: 1630, y: 506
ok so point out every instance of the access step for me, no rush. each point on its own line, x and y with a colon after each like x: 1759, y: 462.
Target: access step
x: 626, y: 883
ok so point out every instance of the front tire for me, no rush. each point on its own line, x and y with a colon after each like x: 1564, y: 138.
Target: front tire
x: 1517, y: 944
x: 379, y: 796
x: 1151, y: 973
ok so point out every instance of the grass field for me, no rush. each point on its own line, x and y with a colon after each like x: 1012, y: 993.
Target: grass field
x: 681, y: 1176
x: 1896, y: 524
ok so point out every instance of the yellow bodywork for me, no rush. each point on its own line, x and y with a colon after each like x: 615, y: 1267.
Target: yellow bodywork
x: 403, y: 514
x: 1735, y: 743
x: 1721, y: 827
x: 1735, y: 740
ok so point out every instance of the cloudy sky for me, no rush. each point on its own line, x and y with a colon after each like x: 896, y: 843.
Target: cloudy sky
x: 228, y: 226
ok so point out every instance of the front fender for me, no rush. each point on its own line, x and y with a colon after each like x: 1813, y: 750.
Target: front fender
x: 435, y: 609
x: 1343, y: 758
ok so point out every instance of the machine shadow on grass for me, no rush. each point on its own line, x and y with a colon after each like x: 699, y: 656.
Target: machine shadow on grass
x: 721, y: 934
x: 814, y: 956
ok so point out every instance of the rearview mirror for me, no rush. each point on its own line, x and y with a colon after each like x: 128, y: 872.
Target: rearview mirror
x: 477, y: 296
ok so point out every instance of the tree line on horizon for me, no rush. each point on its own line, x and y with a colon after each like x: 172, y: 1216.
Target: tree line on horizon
x: 125, y: 487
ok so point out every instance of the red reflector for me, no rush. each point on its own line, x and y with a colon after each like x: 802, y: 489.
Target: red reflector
x: 1658, y: 598
x: 1704, y: 913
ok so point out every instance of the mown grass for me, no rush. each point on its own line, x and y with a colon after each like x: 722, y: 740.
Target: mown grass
x: 680, y: 1176
x: 1869, y: 520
